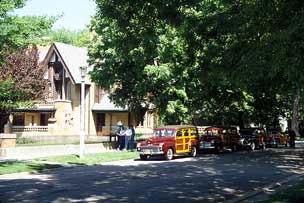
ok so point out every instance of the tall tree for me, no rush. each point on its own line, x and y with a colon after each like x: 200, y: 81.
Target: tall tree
x: 18, y: 64
x: 21, y: 80
x: 79, y: 38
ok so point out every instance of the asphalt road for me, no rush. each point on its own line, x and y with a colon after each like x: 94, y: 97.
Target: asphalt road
x: 207, y: 178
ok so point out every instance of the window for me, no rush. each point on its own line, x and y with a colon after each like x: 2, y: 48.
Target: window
x: 99, y: 93
x: 101, y: 119
x: 18, y: 120
x: 186, y: 134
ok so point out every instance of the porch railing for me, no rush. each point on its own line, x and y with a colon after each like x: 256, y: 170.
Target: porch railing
x: 17, y: 129
x: 44, y: 103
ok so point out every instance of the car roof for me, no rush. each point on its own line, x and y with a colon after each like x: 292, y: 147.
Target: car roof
x: 175, y: 126
x: 214, y: 128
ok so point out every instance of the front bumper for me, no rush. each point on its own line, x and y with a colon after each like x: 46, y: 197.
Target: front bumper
x: 207, y: 145
x: 150, y: 150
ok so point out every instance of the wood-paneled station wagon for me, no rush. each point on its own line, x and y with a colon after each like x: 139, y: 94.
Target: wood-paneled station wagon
x: 170, y: 140
x: 219, y: 138
x: 274, y: 138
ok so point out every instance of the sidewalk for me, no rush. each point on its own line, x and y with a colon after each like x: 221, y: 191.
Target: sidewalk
x: 31, y: 152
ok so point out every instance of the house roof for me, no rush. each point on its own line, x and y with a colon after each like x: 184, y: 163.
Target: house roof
x: 72, y: 58
x: 106, y: 105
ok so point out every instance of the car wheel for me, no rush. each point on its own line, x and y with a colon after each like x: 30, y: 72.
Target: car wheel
x: 193, y: 152
x: 252, y: 146
x: 169, y: 154
x: 143, y: 157
x: 234, y: 148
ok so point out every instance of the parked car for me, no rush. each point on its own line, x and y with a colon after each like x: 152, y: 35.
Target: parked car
x: 219, y: 138
x: 252, y: 138
x: 275, y: 138
x: 170, y: 140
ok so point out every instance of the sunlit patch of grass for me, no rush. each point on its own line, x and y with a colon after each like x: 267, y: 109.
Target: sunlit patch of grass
x: 16, y: 167
x: 91, y: 158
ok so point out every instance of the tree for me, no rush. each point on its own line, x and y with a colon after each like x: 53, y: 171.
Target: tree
x: 79, y: 38
x: 266, y: 44
x: 192, y: 57
x: 20, y: 77
x: 21, y: 31
x: 21, y: 80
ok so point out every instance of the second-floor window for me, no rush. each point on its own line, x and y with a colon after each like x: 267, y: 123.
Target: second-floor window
x: 99, y: 93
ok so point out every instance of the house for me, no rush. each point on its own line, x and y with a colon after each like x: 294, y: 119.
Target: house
x: 59, y: 112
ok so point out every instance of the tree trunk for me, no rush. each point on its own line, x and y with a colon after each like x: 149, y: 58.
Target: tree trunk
x: 241, y: 119
x: 295, y: 112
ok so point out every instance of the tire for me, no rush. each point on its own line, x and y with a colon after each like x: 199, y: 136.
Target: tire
x: 193, y: 152
x: 234, y: 148
x: 143, y: 157
x: 169, y: 154
x: 252, y: 146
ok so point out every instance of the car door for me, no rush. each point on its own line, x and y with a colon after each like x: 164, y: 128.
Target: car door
x: 182, y: 140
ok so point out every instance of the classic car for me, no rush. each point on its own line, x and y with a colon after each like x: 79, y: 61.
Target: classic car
x: 170, y: 140
x: 275, y: 138
x: 219, y: 138
x: 252, y: 138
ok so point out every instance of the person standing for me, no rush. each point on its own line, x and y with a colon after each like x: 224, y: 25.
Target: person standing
x: 127, y: 138
x: 292, y: 138
x: 122, y: 135
x: 131, y: 142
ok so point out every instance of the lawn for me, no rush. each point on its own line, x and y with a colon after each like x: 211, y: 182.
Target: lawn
x: 294, y: 194
x: 16, y: 167
x: 89, y: 159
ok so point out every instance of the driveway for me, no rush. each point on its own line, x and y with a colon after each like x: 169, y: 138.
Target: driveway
x: 207, y: 178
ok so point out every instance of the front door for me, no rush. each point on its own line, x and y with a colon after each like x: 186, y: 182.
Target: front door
x: 100, y: 123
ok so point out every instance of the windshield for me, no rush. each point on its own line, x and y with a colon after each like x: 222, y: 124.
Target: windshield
x: 164, y: 132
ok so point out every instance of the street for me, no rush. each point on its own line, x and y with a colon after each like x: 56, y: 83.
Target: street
x: 206, y: 178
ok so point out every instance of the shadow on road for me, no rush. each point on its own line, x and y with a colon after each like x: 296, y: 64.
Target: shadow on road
x: 207, y: 178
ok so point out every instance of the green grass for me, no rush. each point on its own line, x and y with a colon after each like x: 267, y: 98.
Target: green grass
x: 294, y: 194
x: 90, y: 159
x: 16, y: 167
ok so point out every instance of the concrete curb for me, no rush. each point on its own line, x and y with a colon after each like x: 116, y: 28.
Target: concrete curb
x: 264, y: 192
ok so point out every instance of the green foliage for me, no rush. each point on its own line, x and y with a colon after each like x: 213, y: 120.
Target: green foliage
x: 17, y: 32
x: 77, y: 38
x: 9, y: 95
x: 17, y: 167
x: 216, y: 61
x: 24, y: 140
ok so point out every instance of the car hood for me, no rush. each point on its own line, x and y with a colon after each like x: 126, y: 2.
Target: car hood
x: 156, y: 140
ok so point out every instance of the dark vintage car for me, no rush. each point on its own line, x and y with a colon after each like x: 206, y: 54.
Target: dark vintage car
x: 275, y: 138
x: 219, y: 138
x: 170, y: 140
x: 252, y: 138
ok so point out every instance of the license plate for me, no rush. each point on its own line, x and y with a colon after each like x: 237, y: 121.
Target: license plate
x: 206, y: 145
x: 147, y: 151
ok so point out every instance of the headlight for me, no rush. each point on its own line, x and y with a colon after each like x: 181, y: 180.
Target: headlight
x: 212, y: 141
x: 160, y: 146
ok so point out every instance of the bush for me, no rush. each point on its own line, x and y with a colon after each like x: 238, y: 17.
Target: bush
x: 23, y: 140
